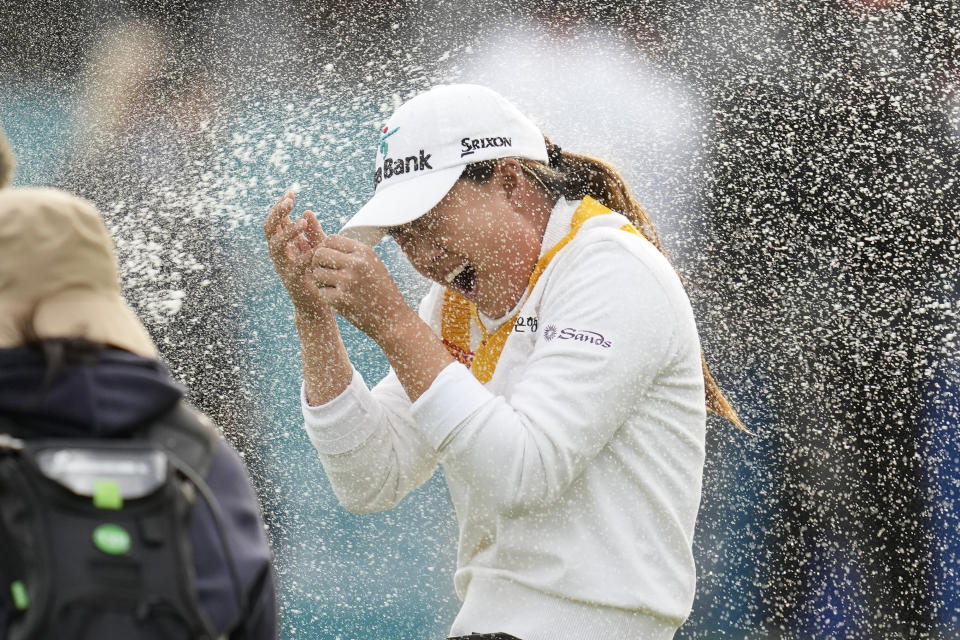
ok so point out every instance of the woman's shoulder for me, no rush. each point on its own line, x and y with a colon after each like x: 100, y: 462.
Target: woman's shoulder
x: 620, y: 244
x: 609, y: 252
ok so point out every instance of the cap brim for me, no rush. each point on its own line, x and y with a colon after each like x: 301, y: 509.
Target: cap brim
x: 399, y: 204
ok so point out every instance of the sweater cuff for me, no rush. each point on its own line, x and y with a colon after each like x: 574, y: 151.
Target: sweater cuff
x: 342, y: 424
x: 453, y: 397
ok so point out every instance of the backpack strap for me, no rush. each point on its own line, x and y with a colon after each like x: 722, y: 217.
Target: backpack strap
x: 187, y: 434
x: 11, y: 564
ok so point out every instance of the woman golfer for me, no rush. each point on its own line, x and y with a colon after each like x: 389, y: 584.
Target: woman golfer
x: 554, y: 370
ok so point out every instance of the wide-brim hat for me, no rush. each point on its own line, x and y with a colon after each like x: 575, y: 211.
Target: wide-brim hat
x: 425, y: 145
x: 58, y: 274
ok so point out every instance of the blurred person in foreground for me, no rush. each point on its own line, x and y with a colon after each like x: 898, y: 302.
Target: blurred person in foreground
x: 77, y: 364
x: 554, y: 370
x: 7, y: 162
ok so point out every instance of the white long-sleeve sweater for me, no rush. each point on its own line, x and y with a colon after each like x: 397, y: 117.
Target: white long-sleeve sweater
x: 576, y: 470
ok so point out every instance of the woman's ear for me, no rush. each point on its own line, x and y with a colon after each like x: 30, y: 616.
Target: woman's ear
x: 508, y: 174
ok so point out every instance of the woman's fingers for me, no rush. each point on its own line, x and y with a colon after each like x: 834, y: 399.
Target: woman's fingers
x: 314, y: 232
x: 279, y: 239
x: 290, y: 244
x: 330, y: 265
x: 329, y: 258
x: 343, y: 243
x: 352, y: 279
x: 286, y: 237
x: 312, y: 235
x: 279, y: 214
x: 278, y: 227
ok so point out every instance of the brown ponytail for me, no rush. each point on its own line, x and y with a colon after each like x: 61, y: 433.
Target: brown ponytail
x: 574, y: 176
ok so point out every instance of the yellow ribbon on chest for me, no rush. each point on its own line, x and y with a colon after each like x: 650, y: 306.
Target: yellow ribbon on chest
x: 458, y: 313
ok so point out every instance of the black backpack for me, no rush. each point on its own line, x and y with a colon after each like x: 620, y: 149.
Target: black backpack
x: 95, y: 533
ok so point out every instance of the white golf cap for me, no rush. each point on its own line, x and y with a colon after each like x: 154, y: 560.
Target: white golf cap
x: 425, y: 146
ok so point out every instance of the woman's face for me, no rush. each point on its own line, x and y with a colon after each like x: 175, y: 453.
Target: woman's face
x: 477, y: 241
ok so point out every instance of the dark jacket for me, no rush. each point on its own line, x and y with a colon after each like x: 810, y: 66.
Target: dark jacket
x: 108, y: 397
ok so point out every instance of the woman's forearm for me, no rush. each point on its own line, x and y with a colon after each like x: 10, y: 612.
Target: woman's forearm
x: 326, y: 367
x: 414, y: 351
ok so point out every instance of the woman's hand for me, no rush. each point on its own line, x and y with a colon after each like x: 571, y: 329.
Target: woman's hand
x: 326, y: 366
x: 291, y: 244
x: 351, y: 278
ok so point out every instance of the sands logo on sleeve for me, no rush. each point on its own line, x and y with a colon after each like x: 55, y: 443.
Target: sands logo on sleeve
x: 585, y: 336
